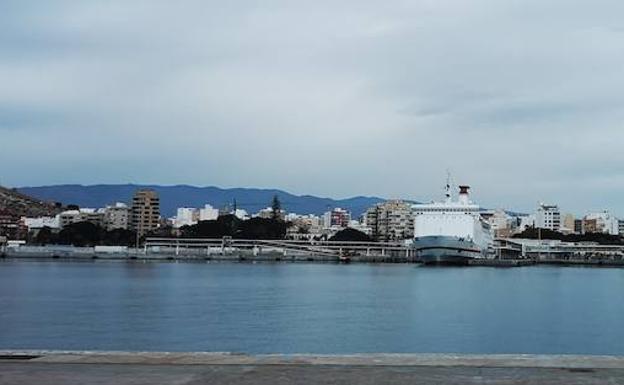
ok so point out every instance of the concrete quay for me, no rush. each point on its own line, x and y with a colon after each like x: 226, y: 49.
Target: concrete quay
x: 227, y: 250
x: 68, y: 368
x: 239, y: 256
x: 280, y: 257
x: 501, y: 262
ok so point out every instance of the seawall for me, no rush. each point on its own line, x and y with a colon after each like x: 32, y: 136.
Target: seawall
x: 269, y: 255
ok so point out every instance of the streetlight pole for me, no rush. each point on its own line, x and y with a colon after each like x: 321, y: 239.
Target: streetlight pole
x: 539, y: 243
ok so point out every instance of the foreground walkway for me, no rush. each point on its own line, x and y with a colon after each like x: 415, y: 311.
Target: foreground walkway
x: 69, y: 368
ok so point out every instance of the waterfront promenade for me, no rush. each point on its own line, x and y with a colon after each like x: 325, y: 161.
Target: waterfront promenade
x: 121, y: 368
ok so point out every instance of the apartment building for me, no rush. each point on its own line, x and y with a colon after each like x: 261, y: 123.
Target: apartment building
x: 145, y: 211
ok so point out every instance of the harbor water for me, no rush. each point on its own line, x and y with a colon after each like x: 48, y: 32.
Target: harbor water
x: 309, y: 308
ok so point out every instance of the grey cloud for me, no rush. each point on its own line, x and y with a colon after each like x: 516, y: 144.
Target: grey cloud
x: 521, y: 99
x: 28, y: 118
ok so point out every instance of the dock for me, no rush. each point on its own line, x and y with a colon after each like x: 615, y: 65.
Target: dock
x: 507, y: 253
x: 136, y: 368
x: 227, y: 249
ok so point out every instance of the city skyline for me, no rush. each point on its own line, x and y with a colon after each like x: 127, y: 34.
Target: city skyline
x: 521, y: 101
x: 438, y: 198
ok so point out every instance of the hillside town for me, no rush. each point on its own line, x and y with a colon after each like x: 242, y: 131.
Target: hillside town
x: 22, y: 218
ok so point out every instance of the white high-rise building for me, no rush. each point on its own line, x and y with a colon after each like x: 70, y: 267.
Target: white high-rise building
x: 82, y: 215
x: 303, y: 226
x: 241, y: 214
x: 116, y: 216
x: 208, y: 213
x: 391, y: 220
x: 501, y: 223
x: 268, y: 213
x: 548, y: 217
x: 525, y: 221
x: 186, y: 216
x: 602, y: 222
x: 337, y: 217
x: 41, y: 222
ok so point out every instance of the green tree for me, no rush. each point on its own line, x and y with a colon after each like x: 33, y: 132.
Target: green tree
x: 44, y: 236
x: 81, y: 234
x: 350, y: 235
x: 600, y: 238
x: 276, y: 208
x: 119, y: 237
x: 263, y: 228
x: 225, y: 225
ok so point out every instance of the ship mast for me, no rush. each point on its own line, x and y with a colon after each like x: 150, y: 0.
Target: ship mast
x: 447, y: 189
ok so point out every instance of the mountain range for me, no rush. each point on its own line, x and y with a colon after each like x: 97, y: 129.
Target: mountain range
x: 172, y: 197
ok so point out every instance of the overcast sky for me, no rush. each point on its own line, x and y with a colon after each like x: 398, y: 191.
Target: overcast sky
x: 523, y: 99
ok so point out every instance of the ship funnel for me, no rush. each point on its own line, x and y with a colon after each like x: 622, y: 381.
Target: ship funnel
x: 463, y: 194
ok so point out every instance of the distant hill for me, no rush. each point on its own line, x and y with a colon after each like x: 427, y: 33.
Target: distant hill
x: 18, y: 204
x: 172, y: 197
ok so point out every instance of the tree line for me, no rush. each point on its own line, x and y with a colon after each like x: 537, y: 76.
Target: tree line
x: 231, y: 226
x: 84, y: 234
x: 600, y: 238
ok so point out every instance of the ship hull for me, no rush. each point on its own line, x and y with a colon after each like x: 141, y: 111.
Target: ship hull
x: 446, y: 250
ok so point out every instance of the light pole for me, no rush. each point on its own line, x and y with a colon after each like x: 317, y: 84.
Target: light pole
x: 539, y: 244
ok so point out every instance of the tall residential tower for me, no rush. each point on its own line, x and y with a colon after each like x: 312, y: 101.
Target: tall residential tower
x: 145, y: 211
x: 391, y: 221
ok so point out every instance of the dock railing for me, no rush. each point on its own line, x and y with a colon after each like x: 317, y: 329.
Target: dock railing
x: 223, y: 246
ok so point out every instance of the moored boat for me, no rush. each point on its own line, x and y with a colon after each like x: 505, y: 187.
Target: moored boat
x: 451, y: 232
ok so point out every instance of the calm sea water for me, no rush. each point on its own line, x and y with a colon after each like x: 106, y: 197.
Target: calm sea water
x: 310, y: 308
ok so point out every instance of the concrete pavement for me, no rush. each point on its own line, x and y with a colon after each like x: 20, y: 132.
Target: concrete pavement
x: 41, y: 367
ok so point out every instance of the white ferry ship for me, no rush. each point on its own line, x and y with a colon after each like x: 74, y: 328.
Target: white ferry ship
x: 451, y: 232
